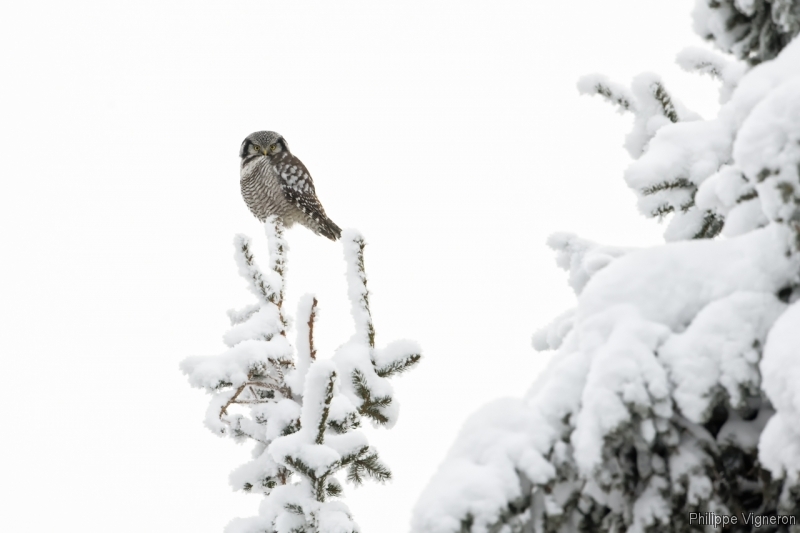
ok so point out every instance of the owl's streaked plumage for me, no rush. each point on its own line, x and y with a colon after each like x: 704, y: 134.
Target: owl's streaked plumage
x: 275, y: 182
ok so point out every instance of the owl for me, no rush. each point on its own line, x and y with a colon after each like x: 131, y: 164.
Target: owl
x: 275, y: 182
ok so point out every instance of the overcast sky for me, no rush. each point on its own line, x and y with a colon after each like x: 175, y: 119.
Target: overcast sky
x: 450, y: 134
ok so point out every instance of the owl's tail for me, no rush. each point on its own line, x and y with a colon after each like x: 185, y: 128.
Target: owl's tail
x: 329, y: 229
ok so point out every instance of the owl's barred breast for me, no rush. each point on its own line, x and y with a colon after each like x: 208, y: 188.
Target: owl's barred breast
x: 263, y: 194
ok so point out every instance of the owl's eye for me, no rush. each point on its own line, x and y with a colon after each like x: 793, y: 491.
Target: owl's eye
x: 273, y: 147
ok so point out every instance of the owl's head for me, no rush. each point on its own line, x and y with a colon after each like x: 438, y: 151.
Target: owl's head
x: 266, y: 143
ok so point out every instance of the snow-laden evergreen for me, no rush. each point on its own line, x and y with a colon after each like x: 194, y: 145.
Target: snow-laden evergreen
x: 675, y: 388
x: 301, y: 411
x: 752, y: 30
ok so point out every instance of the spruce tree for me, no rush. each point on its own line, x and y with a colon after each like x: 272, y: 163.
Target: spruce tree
x: 302, y: 412
x: 672, y: 403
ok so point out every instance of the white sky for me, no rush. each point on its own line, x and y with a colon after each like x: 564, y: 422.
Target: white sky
x: 450, y: 133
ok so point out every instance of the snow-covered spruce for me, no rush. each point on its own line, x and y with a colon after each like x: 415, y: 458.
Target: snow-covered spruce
x: 675, y: 388
x: 660, y: 193
x: 303, y: 413
x: 752, y: 30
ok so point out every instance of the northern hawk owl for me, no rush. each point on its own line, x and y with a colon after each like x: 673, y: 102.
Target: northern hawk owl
x: 275, y: 182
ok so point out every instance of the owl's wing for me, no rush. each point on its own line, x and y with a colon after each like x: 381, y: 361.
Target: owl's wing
x: 298, y: 188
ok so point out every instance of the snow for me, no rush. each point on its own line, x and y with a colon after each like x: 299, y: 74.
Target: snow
x: 278, y: 415
x: 744, y: 434
x: 780, y: 369
x: 263, y: 322
x: 552, y: 335
x: 779, y: 448
x: 615, y: 93
x: 347, y: 443
x: 643, y: 101
x: 724, y: 341
x: 212, y: 420
x: 342, y: 409
x: 687, y: 468
x: 320, y: 387
x: 252, y: 472
x: 703, y: 61
x: 261, y: 284
x: 650, y: 508
x: 237, y: 316
x: 671, y: 284
x: 234, y: 365
x: 624, y: 377
x: 352, y: 244
x: 306, y: 317
x: 396, y: 352
x: 769, y: 141
x: 582, y: 258
x: 355, y: 356
x: 493, y: 445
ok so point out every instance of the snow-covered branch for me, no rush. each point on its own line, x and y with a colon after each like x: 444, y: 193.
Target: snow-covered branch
x: 612, y: 92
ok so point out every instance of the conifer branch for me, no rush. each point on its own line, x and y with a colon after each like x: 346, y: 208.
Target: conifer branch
x: 348, y: 459
x: 374, y: 468
x: 293, y: 427
x: 264, y: 394
x: 662, y: 96
x: 350, y: 421
x: 239, y: 316
x: 312, y: 351
x: 702, y: 61
x: 306, y: 352
x: 317, y: 482
x: 359, y: 293
x: 370, y: 407
x: 711, y: 227
x: 274, y: 230
x: 680, y: 183
x: 333, y: 488
x: 366, y: 463
x: 750, y: 195
x: 365, y: 298
x: 661, y: 211
x: 613, y: 93
x: 224, y: 409
x: 251, y: 271
x: 622, y: 101
x: 301, y: 467
x: 294, y: 508
x: 337, y: 426
x: 399, y: 366
x: 707, y: 67
x: 277, y: 262
x: 323, y: 419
